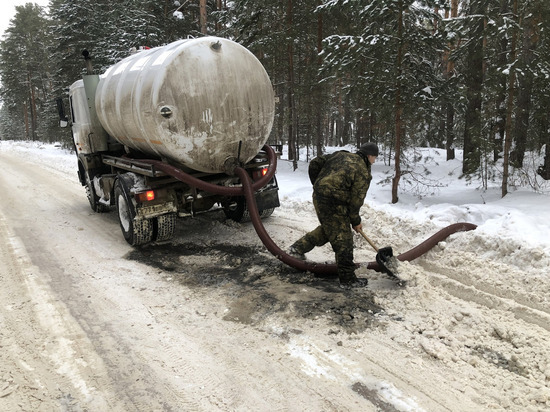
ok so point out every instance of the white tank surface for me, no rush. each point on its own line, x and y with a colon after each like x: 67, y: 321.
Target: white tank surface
x: 193, y: 102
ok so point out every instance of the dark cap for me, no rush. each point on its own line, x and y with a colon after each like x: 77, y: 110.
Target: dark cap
x: 368, y: 149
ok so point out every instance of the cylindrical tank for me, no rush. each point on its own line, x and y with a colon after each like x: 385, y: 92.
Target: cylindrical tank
x: 201, y: 103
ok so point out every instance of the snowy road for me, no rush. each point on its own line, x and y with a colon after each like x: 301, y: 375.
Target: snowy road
x: 211, y: 321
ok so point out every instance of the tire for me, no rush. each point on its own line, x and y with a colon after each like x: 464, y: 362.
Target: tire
x: 164, y: 227
x: 236, y: 210
x: 136, y: 232
x: 264, y: 214
x: 93, y: 198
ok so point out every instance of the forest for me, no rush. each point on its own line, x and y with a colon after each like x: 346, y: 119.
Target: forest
x: 453, y: 74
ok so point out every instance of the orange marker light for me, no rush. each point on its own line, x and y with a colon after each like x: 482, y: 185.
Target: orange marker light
x: 146, y: 196
x: 258, y: 174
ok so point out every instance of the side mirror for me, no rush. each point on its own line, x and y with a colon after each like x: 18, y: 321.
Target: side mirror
x: 63, y: 119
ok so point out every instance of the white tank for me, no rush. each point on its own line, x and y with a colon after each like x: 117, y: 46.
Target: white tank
x: 193, y: 102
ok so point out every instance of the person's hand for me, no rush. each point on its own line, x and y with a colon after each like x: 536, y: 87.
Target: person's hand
x: 358, y: 228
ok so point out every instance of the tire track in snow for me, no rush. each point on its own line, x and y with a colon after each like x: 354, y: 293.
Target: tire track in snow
x: 56, y: 335
x: 445, y: 279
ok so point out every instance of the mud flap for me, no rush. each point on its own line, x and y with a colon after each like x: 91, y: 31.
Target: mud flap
x: 267, y: 199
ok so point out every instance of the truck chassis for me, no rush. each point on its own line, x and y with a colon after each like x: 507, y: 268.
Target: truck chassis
x: 148, y: 201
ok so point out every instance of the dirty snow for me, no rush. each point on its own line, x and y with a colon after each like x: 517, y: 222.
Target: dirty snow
x: 473, y: 323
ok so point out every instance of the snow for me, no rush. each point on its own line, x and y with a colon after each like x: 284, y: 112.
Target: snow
x: 464, y: 318
x: 522, y: 215
x: 427, y: 90
x: 52, y: 155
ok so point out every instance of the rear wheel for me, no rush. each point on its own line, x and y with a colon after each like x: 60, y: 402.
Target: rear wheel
x: 264, y: 214
x: 237, y: 210
x: 135, y: 231
x: 164, y: 227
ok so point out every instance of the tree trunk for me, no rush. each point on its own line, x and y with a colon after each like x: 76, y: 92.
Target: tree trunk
x: 340, y: 115
x: 26, y: 117
x: 509, y: 106
x: 372, y: 123
x: 522, y: 120
x: 202, y: 12
x: 280, y: 110
x: 346, y: 134
x: 544, y: 169
x: 318, y: 88
x: 439, y: 135
x: 450, y: 134
x: 331, y: 133
x: 32, y: 106
x: 361, y: 136
x: 218, y: 8
x: 398, y: 108
x: 474, y: 84
x: 523, y: 108
x: 500, y: 103
x: 500, y: 126
x: 292, y: 144
x: 449, y: 108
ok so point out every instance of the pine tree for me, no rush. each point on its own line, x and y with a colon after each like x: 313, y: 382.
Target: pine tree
x: 390, y: 55
x: 24, y: 69
x: 541, y: 87
x: 285, y: 37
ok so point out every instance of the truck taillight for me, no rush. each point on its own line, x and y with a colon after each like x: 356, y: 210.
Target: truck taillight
x: 258, y: 174
x: 146, y: 196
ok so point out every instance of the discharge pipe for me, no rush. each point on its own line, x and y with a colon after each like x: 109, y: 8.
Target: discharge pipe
x: 247, y: 190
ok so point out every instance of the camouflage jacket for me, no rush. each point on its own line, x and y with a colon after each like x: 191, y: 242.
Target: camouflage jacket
x: 345, y: 178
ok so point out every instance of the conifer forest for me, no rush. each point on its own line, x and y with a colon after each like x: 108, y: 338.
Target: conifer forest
x: 468, y: 75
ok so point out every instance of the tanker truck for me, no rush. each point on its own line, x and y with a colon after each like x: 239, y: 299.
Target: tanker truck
x: 159, y: 135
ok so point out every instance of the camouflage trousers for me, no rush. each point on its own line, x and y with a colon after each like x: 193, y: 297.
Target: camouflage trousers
x: 335, y: 228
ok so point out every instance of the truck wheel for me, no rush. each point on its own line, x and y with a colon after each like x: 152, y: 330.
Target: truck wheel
x: 264, y: 214
x: 93, y: 198
x: 236, y: 210
x: 136, y: 232
x: 165, y: 226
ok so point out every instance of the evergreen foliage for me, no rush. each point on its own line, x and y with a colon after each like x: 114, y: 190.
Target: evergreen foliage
x: 470, y: 74
x: 25, y: 75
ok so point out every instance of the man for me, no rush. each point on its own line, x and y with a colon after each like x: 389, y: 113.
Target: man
x: 340, y: 183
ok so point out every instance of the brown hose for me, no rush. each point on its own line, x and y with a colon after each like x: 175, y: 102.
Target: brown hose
x: 327, y: 270
x: 429, y: 243
x: 217, y: 189
x: 248, y: 188
x: 434, y: 240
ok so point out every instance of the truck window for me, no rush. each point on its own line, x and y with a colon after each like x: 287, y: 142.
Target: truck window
x: 72, y: 110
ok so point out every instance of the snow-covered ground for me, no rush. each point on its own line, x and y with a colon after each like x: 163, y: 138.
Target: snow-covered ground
x: 444, y: 198
x: 471, y: 332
